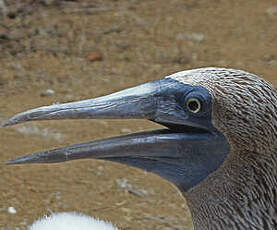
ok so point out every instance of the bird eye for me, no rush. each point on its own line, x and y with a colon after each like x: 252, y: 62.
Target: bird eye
x: 194, y: 105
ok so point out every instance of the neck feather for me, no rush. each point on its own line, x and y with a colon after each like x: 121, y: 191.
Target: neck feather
x: 240, y: 195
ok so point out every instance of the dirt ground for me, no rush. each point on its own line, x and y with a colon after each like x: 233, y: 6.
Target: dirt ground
x: 59, y: 51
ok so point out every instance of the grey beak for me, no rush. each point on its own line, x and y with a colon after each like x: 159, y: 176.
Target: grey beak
x: 136, y: 102
x: 184, y: 154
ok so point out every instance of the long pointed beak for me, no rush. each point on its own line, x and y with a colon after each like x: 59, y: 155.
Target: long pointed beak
x: 182, y: 158
x: 190, y: 148
x: 136, y: 102
x: 154, y: 145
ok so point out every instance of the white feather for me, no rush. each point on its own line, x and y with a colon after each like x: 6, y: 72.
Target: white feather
x: 70, y: 221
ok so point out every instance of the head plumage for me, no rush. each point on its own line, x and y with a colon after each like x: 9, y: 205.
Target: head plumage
x: 244, y: 105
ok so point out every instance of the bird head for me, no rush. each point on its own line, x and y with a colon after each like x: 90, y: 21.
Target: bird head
x: 208, y: 113
x: 243, y: 106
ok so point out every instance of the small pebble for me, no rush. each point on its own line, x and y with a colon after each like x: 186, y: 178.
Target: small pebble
x: 197, y: 37
x: 12, y: 210
x: 48, y: 92
x: 95, y: 56
x: 272, y: 11
x: 114, y: 29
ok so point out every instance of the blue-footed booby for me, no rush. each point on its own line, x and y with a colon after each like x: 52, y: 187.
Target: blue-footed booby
x: 219, y: 147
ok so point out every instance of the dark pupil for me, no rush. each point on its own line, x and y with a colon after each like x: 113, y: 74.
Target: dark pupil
x: 193, y: 106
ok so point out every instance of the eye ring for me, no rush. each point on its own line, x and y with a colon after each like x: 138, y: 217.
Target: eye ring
x: 194, y: 105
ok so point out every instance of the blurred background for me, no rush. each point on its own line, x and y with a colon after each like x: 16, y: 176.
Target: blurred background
x: 54, y: 51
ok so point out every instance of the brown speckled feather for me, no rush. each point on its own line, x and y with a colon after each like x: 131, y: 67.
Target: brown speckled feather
x: 242, y: 193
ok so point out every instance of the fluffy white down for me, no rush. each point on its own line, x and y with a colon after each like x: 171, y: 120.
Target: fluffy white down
x: 70, y: 221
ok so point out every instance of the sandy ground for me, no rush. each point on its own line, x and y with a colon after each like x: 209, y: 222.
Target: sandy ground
x: 59, y: 51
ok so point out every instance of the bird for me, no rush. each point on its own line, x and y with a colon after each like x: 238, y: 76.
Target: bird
x: 218, y: 145
x: 70, y: 221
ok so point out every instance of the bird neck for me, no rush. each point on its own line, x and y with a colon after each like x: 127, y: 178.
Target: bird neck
x: 242, y: 194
